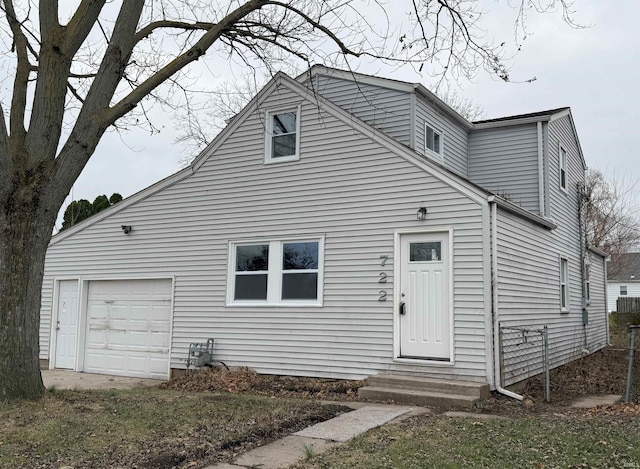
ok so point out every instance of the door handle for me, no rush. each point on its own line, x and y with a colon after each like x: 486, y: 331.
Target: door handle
x: 402, y: 308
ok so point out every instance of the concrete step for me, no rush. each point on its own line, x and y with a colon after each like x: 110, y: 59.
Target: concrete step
x: 416, y: 397
x: 477, y: 390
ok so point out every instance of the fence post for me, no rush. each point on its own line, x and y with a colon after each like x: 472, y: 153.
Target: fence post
x: 545, y: 361
x: 631, y: 330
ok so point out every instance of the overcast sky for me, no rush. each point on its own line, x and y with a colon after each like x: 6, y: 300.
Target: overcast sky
x: 595, y: 71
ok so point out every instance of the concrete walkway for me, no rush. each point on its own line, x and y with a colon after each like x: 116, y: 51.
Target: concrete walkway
x: 67, y: 379
x: 305, y: 443
x: 321, y: 436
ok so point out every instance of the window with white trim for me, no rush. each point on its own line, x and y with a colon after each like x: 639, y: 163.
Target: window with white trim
x: 587, y: 283
x: 433, y: 140
x: 623, y: 290
x: 563, y: 167
x: 564, y: 284
x: 276, y: 272
x: 282, y: 136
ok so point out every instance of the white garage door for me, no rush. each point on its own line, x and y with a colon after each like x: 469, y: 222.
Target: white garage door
x: 128, y: 323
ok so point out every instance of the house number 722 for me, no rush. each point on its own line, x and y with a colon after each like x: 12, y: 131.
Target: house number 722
x: 382, y: 295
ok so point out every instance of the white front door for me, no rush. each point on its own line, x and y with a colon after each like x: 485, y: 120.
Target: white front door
x: 424, y: 304
x: 66, y: 325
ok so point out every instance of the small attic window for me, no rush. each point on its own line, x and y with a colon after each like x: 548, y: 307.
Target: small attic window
x: 563, y: 168
x: 282, y: 136
x: 433, y: 140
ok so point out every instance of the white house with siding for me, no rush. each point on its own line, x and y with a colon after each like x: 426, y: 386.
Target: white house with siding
x: 341, y: 225
x: 623, y: 278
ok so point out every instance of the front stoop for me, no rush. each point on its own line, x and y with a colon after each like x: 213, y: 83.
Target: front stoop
x: 423, y: 391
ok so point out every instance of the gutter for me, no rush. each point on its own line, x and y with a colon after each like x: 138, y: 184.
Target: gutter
x: 494, y: 301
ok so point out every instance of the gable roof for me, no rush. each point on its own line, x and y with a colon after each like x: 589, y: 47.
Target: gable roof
x: 624, y: 268
x: 479, y: 194
x: 531, y: 115
x: 389, y: 83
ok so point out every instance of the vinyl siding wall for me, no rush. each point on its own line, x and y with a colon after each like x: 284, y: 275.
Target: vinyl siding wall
x: 454, y: 136
x: 385, y: 109
x: 613, y: 292
x: 529, y: 290
x: 346, y: 188
x: 504, y: 160
x: 529, y: 263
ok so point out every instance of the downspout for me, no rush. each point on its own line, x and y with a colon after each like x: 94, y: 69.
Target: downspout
x: 583, y: 274
x: 494, y: 301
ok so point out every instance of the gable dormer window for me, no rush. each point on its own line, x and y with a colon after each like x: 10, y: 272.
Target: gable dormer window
x: 433, y: 140
x: 282, y: 138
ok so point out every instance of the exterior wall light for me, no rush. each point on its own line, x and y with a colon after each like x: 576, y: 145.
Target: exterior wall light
x: 422, y: 213
x: 126, y: 228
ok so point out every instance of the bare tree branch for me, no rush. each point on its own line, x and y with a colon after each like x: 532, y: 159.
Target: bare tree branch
x: 315, y: 24
x: 20, y: 82
x: 80, y: 25
x: 91, y: 122
x: 49, y: 24
x: 151, y: 27
x: 45, y: 125
x: 191, y: 55
x: 609, y: 214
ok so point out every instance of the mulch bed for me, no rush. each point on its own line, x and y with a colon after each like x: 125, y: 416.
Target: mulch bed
x: 603, y: 372
x: 245, y: 380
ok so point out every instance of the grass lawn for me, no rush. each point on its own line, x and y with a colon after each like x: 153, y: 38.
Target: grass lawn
x: 541, y: 441
x: 145, y: 428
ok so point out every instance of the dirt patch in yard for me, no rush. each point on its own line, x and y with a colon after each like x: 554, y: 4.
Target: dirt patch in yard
x: 602, y: 372
x: 146, y: 428
x: 245, y: 380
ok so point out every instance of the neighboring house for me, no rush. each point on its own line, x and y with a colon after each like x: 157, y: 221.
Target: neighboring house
x: 341, y: 225
x: 623, y: 278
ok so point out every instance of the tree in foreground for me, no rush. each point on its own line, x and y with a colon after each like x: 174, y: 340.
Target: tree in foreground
x: 75, y: 73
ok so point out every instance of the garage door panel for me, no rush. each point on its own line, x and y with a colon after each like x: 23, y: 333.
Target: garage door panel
x: 128, y: 324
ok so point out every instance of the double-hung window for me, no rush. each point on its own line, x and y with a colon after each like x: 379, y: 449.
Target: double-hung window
x: 276, y: 272
x: 623, y: 290
x: 587, y: 283
x: 563, y: 167
x: 282, y: 136
x: 564, y: 284
x: 433, y: 140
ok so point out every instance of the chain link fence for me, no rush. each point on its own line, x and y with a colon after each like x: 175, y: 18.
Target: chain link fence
x: 524, y: 352
x: 634, y: 333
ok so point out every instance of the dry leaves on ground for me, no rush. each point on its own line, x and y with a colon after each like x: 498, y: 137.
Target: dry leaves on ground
x: 247, y: 380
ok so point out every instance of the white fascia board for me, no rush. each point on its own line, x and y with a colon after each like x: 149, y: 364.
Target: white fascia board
x: 511, y: 122
x: 463, y: 186
x: 135, y: 198
x: 599, y: 252
x: 524, y: 213
x: 433, y: 99
x: 388, y: 83
x: 567, y: 113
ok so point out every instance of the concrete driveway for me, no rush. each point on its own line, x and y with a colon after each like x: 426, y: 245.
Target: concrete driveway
x: 65, y: 379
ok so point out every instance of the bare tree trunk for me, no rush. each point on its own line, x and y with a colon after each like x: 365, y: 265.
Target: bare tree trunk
x: 25, y: 232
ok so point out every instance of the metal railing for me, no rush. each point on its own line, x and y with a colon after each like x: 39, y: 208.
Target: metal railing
x: 632, y: 331
x: 524, y: 352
